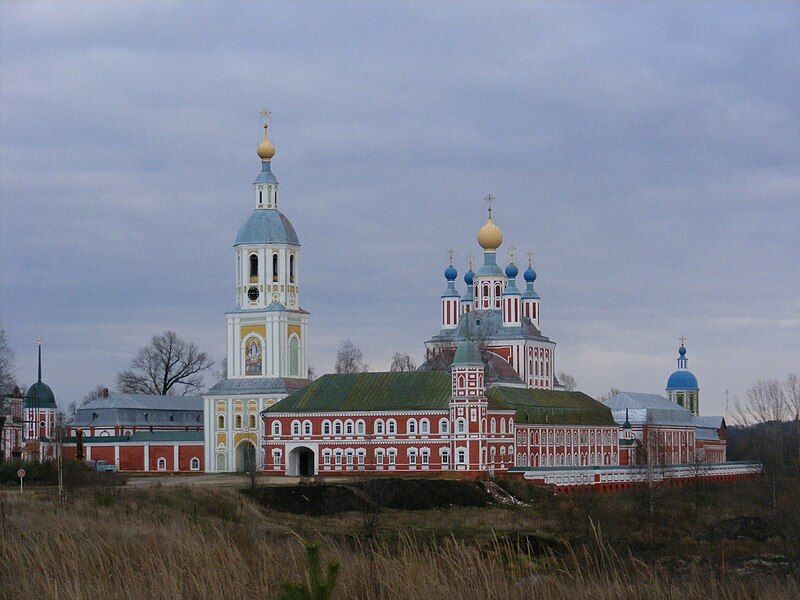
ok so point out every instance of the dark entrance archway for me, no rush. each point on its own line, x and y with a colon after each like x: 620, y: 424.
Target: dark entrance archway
x: 245, y: 457
x: 301, y: 463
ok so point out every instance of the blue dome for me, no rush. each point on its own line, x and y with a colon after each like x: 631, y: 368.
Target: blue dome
x: 529, y: 275
x: 512, y: 271
x: 39, y: 395
x: 450, y: 273
x: 266, y: 226
x: 682, y: 380
x: 469, y: 277
x: 682, y: 351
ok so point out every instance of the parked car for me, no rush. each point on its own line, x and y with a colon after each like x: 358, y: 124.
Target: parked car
x: 104, y: 467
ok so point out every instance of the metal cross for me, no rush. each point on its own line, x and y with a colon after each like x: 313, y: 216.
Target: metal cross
x: 470, y: 258
x: 450, y: 252
x: 266, y: 114
x: 682, y: 339
x: 529, y: 254
x: 512, y: 253
x: 489, y: 199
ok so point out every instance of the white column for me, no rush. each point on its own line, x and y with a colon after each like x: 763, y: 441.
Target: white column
x: 146, y: 456
x: 116, y: 455
x: 175, y: 465
x: 88, y: 452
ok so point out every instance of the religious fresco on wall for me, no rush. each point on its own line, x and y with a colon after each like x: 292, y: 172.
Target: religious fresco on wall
x: 252, y: 357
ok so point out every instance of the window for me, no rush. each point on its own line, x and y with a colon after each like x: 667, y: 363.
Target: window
x: 379, y: 457
x: 307, y: 428
x: 412, y: 458
x: 445, y: 458
x: 348, y: 427
x: 349, y: 458
x: 291, y: 269
x: 411, y: 427
x: 444, y: 426
x: 221, y: 462
x: 391, y: 427
x: 378, y: 427
x: 276, y: 459
x: 276, y: 428
x: 295, y: 428
x: 461, y: 426
x: 337, y: 427
x: 426, y: 457
x: 194, y: 464
x: 493, y: 425
x: 161, y: 465
x: 253, y: 266
x: 462, y: 456
x: 361, y: 456
x: 294, y: 356
x: 238, y: 421
x: 392, y: 457
x: 502, y: 425
x: 274, y: 268
x: 424, y: 427
x: 326, y: 457
x: 220, y: 421
x: 360, y: 427
x: 493, y: 453
x: 338, y: 458
x: 326, y: 428
x: 252, y: 421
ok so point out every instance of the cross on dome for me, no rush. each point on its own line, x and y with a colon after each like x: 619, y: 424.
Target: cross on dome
x: 529, y: 254
x: 489, y: 199
x: 682, y: 340
x: 266, y: 114
x: 450, y: 254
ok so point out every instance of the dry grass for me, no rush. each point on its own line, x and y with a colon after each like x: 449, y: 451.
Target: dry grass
x: 216, y: 544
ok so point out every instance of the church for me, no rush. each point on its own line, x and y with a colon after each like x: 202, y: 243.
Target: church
x: 485, y: 401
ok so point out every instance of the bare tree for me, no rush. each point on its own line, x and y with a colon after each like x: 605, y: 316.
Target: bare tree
x: 793, y: 395
x: 222, y: 373
x: 164, y: 364
x: 567, y: 380
x: 349, y: 358
x: 7, y: 379
x: 610, y: 394
x: 401, y: 362
x: 93, y: 394
x: 764, y: 402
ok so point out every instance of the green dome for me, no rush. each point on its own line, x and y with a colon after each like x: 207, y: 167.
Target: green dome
x: 39, y: 395
x: 467, y: 354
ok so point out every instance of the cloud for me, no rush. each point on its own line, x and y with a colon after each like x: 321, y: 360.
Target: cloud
x: 648, y: 155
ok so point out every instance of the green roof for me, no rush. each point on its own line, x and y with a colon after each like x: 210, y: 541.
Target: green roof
x: 352, y: 392
x: 165, y: 435
x: 467, y: 355
x: 542, y: 407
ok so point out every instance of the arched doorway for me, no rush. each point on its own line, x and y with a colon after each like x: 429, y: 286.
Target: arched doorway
x: 301, y: 463
x: 245, y: 457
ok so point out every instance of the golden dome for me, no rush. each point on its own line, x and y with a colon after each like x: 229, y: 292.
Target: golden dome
x: 489, y: 236
x: 265, y: 149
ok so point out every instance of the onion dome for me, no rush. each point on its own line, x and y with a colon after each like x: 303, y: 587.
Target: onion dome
x: 683, y: 378
x: 490, y: 237
x: 265, y: 149
x: 450, y: 273
x: 469, y: 277
x: 39, y: 395
x: 512, y: 271
x: 529, y: 274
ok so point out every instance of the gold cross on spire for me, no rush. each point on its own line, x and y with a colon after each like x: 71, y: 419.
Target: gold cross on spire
x: 265, y: 114
x: 489, y: 199
x: 529, y: 254
x: 450, y: 253
x: 682, y: 339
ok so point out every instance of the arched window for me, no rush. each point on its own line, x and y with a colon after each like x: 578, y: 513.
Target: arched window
x: 461, y: 426
x: 194, y: 464
x: 291, y: 269
x: 161, y: 465
x: 294, y: 356
x: 493, y: 453
x: 306, y: 427
x: 220, y: 421
x: 221, y: 462
x: 424, y: 427
x: 348, y: 428
x: 493, y: 425
x: 326, y: 428
x: 253, y: 267
x: 461, y: 381
x: 360, y: 427
x: 274, y: 268
x: 445, y: 458
x: 378, y: 427
x: 252, y: 421
x: 411, y: 427
x: 238, y: 421
x: 295, y: 427
x: 337, y: 428
x: 502, y: 425
x: 276, y: 428
x: 462, y: 456
x: 444, y: 426
x: 391, y: 427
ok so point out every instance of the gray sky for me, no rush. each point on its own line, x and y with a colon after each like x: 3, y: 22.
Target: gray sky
x: 648, y: 154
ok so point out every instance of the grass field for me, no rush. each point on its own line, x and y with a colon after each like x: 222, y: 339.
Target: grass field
x: 206, y: 542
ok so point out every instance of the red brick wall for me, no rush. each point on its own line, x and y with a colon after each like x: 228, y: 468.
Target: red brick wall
x: 131, y: 458
x: 105, y: 453
x: 185, y: 455
x: 157, y: 452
